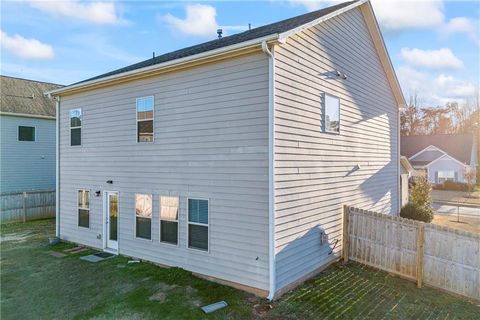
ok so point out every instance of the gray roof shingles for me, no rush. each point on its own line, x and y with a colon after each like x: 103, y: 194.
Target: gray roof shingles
x: 22, y: 96
x: 459, y: 146
x: 274, y: 28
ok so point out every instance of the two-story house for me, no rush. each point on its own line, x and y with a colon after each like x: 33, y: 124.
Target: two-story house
x: 233, y: 158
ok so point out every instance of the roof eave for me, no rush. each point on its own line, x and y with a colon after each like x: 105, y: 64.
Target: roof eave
x: 204, y: 56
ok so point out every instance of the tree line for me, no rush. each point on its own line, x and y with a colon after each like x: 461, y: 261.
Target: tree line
x: 451, y: 118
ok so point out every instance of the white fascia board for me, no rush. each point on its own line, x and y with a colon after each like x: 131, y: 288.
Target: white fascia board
x: 446, y: 155
x: 158, y: 66
x: 426, y: 149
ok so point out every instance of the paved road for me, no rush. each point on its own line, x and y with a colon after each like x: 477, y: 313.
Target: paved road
x: 449, y: 209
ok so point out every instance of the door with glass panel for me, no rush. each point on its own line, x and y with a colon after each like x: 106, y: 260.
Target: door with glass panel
x: 111, y: 220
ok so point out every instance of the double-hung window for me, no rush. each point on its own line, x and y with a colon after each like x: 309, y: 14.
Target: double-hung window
x: 331, y: 112
x: 83, y: 208
x: 76, y: 127
x: 169, y: 220
x: 26, y: 133
x: 445, y: 176
x: 145, y: 111
x: 198, y: 224
x: 143, y: 216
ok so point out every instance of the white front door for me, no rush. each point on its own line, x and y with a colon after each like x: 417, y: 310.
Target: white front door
x: 111, y: 220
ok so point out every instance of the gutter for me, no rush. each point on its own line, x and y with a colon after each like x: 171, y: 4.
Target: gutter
x: 57, y: 169
x: 172, y: 63
x: 26, y: 115
x: 271, y: 166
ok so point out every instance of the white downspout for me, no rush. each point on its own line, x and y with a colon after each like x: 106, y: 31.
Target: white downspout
x: 271, y: 164
x: 399, y: 192
x: 57, y: 168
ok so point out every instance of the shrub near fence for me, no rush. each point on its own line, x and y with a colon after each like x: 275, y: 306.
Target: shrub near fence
x: 438, y: 256
x: 25, y: 206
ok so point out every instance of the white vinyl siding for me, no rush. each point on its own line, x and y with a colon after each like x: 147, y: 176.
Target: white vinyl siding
x: 27, y: 166
x: 316, y: 173
x: 211, y: 142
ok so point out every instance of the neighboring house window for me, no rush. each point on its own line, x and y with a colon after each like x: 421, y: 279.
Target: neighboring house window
x: 331, y: 113
x: 26, y: 133
x: 446, y: 175
x: 143, y: 216
x: 169, y: 219
x: 145, y: 108
x: 198, y: 224
x: 84, y: 208
x: 76, y: 127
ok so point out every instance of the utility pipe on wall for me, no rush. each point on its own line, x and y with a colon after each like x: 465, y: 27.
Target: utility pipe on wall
x: 271, y: 176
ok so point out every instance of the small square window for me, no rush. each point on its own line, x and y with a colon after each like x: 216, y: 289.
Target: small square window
x: 26, y: 133
x: 331, y: 113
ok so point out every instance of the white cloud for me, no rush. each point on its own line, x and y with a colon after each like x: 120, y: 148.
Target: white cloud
x: 462, y: 25
x: 96, y: 12
x: 25, y: 48
x: 434, y: 90
x: 393, y: 15
x: 200, y: 20
x: 435, y: 59
x: 396, y: 15
x: 454, y: 88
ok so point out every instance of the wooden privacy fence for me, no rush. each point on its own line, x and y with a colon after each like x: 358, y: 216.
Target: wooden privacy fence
x: 25, y: 206
x: 437, y: 256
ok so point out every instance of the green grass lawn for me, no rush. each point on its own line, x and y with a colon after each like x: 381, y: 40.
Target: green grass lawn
x: 36, y: 285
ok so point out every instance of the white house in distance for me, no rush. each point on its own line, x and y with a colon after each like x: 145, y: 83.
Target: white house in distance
x: 233, y: 158
x: 441, y: 157
x: 27, y: 135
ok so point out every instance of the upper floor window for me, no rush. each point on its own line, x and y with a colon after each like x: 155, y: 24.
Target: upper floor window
x: 76, y: 127
x: 331, y: 113
x: 145, y: 108
x: 26, y: 133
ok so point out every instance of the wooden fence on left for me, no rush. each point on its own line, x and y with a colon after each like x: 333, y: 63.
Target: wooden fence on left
x: 26, y: 206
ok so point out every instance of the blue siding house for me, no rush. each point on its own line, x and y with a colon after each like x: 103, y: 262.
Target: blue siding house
x: 27, y: 136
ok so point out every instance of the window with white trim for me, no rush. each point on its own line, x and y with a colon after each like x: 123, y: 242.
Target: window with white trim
x: 83, y: 200
x: 331, y: 112
x: 145, y: 110
x: 143, y: 216
x: 76, y: 127
x: 198, y: 224
x: 169, y: 219
x: 446, y: 175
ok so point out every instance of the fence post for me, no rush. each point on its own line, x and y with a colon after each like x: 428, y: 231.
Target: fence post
x: 420, y: 252
x: 345, y: 234
x: 24, y: 207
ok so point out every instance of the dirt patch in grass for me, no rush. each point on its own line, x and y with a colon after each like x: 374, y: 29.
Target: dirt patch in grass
x: 471, y: 224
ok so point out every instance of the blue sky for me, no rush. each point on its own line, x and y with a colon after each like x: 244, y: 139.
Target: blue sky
x: 434, y: 45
